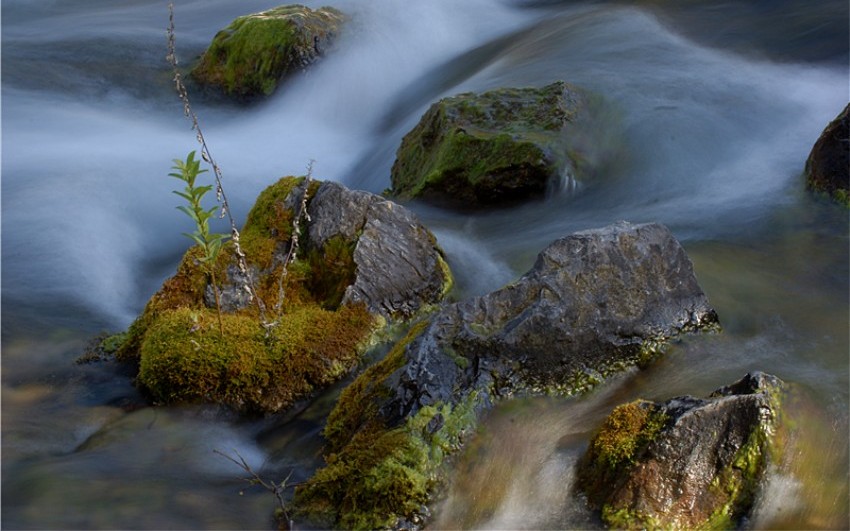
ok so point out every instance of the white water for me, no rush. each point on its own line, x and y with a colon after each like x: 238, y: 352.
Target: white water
x: 707, y: 140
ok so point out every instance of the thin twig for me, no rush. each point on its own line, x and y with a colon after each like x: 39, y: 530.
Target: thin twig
x: 205, y: 154
x: 293, y: 241
x: 255, y: 479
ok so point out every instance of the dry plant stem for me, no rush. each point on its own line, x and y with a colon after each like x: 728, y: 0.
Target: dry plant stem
x: 255, y: 479
x: 293, y: 244
x: 205, y: 154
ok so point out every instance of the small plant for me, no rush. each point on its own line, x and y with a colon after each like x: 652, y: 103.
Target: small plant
x: 209, y: 242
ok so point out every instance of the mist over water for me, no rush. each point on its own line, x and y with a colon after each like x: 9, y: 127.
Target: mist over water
x: 705, y: 134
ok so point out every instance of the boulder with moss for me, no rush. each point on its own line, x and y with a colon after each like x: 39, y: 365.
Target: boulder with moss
x: 497, y: 147
x: 687, y: 463
x: 251, y: 56
x: 285, y: 336
x: 828, y: 166
x: 593, y: 304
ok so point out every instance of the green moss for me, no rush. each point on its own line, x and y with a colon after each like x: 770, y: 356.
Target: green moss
x: 374, y: 474
x: 184, y: 358
x: 269, y: 221
x: 626, y: 432
x: 380, y: 475
x: 250, y: 56
x: 485, y: 148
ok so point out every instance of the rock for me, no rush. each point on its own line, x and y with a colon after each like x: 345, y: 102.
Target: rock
x: 686, y: 463
x: 281, y: 338
x: 828, y: 166
x: 594, y: 303
x: 250, y: 56
x: 399, y: 268
x: 498, y: 147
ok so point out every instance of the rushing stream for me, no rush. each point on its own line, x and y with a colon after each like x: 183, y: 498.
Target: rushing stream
x: 713, y: 108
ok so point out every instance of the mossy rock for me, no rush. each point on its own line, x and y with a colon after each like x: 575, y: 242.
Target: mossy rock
x: 828, y: 166
x: 250, y: 56
x: 497, y: 147
x: 687, y: 463
x: 590, y: 306
x: 299, y: 332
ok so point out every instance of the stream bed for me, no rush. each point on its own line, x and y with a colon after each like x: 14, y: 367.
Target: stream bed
x: 713, y: 108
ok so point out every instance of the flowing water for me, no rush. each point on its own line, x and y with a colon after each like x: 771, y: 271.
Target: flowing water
x: 712, y: 109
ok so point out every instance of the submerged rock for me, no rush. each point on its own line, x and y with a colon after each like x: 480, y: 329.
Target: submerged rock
x: 828, y: 165
x: 497, y: 147
x: 250, y: 56
x: 322, y: 312
x: 687, y: 463
x: 594, y: 303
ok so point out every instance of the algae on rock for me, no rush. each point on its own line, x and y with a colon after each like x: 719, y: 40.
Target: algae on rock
x: 497, y: 147
x: 251, y: 56
x: 322, y: 329
x: 686, y: 463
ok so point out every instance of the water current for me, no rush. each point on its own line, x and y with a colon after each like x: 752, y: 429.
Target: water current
x: 712, y: 108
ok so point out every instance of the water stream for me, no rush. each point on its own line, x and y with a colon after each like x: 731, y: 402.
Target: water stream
x: 712, y: 108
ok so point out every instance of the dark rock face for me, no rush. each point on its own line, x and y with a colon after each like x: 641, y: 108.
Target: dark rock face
x: 686, y: 463
x: 594, y: 303
x: 493, y: 148
x: 249, y: 57
x: 828, y: 165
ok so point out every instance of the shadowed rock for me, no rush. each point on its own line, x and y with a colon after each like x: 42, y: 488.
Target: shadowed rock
x: 828, y: 165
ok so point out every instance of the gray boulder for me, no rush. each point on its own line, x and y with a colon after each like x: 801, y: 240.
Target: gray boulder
x: 362, y: 248
x: 593, y: 304
x: 686, y: 463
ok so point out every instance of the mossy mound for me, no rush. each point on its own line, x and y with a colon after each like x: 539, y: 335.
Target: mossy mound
x: 828, y: 166
x: 491, y: 148
x: 316, y: 335
x: 687, y: 463
x: 251, y: 56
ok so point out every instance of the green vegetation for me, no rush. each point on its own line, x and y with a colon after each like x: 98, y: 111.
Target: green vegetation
x: 626, y: 432
x: 244, y: 368
x: 376, y: 474
x: 251, y: 368
x: 209, y: 242
x: 249, y: 57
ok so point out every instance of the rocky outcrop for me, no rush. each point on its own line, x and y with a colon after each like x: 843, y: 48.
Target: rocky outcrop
x: 594, y: 303
x: 828, y: 166
x: 687, y: 463
x: 494, y: 148
x: 360, y: 260
x: 250, y: 56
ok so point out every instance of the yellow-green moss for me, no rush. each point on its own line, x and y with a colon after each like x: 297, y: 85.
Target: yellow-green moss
x: 614, y: 448
x: 374, y: 474
x: 185, y: 358
x: 381, y: 475
x: 182, y: 358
